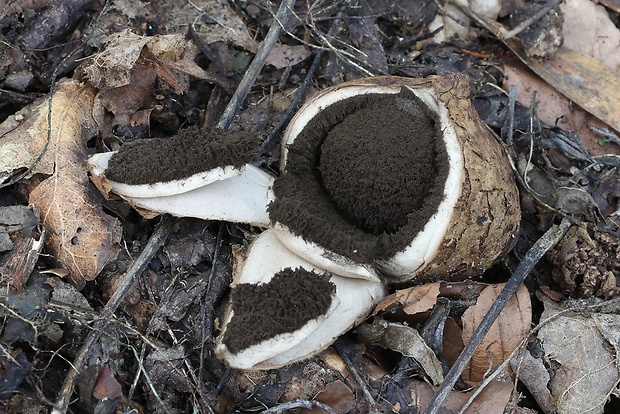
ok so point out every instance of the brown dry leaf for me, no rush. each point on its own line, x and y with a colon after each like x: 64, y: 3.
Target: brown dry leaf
x: 492, y: 399
x: 336, y: 395
x: 106, y: 385
x: 80, y: 235
x: 452, y: 341
x: 285, y: 56
x: 574, y: 371
x: 505, y: 334
x: 588, y: 29
x: 553, y: 107
x: 581, y: 78
x: 213, y: 20
x: 414, y: 300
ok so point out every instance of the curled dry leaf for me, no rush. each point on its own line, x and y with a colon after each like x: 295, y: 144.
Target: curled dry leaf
x: 113, y: 67
x: 125, y: 72
x: 505, y: 334
x: 80, y: 234
x: 416, y: 299
x: 407, y: 341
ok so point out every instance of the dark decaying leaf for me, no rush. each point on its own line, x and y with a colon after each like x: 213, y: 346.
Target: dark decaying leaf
x: 14, y: 368
x: 16, y: 218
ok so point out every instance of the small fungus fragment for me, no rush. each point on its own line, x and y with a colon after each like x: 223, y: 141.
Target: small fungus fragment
x: 284, y: 304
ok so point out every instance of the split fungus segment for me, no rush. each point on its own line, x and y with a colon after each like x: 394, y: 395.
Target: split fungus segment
x: 284, y: 309
x: 383, y: 179
x: 228, y: 193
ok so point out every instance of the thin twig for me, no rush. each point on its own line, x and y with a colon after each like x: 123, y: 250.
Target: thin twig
x: 531, y: 258
x: 339, y: 346
x: 149, y: 382
x: 307, y: 404
x: 608, y: 135
x: 282, y: 16
x: 155, y: 242
x: 267, y: 143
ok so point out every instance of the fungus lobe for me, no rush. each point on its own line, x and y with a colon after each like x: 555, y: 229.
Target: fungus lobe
x: 189, y: 152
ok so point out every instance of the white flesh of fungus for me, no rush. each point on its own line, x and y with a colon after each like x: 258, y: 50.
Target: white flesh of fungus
x: 99, y: 163
x: 353, y: 300
x: 424, y: 246
x: 325, y: 259
x: 228, y: 194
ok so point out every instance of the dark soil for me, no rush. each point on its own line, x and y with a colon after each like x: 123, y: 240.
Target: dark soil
x: 187, y: 153
x: 287, y: 302
x: 340, y: 177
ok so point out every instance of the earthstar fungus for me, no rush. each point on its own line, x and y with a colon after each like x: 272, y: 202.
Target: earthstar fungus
x: 383, y: 180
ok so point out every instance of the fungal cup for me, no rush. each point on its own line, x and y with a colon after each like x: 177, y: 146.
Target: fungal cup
x: 382, y: 180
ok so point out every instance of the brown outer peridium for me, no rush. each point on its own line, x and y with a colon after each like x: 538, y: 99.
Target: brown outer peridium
x: 487, y: 214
